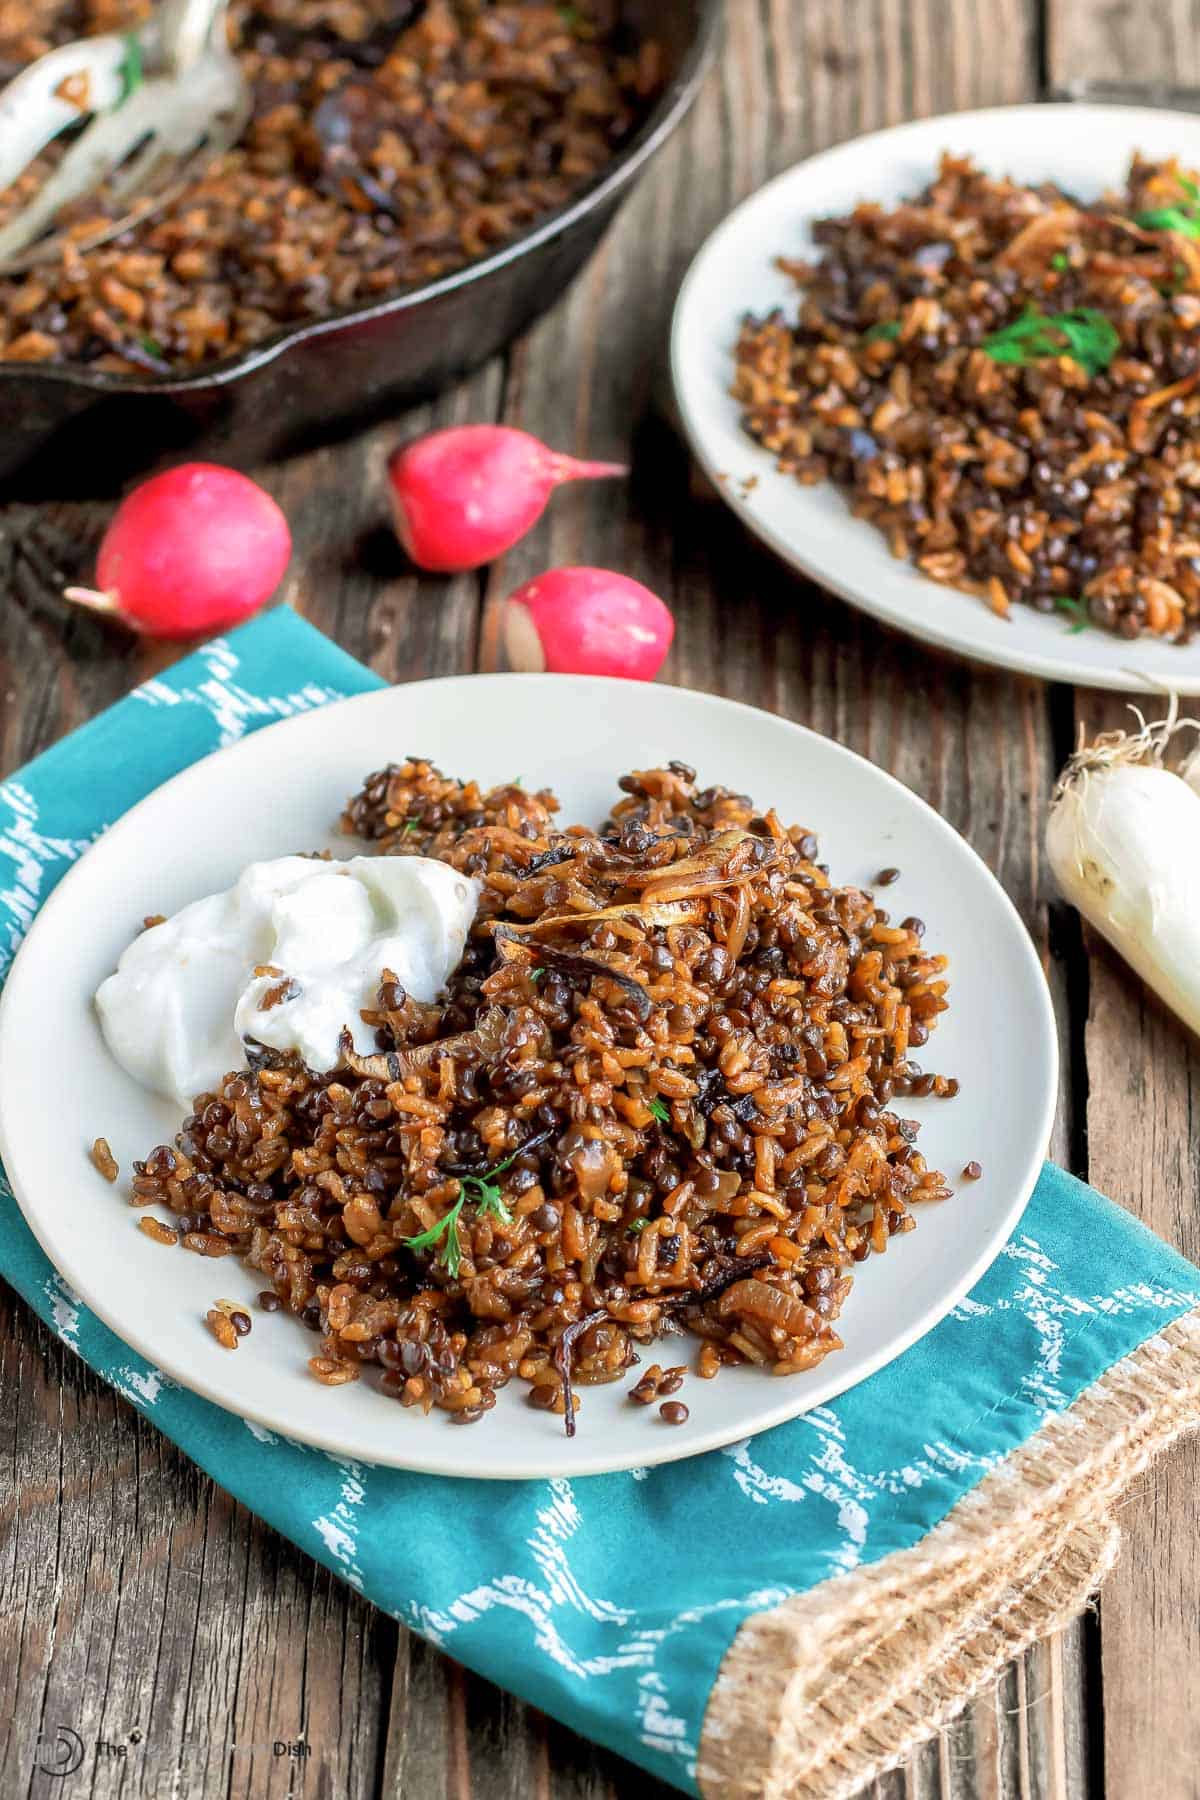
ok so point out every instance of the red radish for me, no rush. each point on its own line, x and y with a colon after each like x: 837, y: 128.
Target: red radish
x: 462, y: 497
x: 190, y: 551
x: 587, y: 622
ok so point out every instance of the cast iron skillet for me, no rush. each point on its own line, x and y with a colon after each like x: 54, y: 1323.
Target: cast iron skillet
x: 66, y: 429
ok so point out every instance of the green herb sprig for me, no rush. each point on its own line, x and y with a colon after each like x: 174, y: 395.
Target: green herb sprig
x: 1076, y: 610
x: 446, y: 1228
x: 660, y: 1110
x: 888, y: 331
x: 485, y: 1192
x: 1084, y: 334
x: 1184, y: 219
x: 636, y: 1229
x: 1170, y: 218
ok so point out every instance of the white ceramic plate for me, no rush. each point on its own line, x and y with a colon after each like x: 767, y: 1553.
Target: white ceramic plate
x: 279, y: 791
x: 1084, y: 148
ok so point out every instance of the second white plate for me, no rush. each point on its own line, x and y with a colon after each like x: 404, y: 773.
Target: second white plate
x: 1085, y: 149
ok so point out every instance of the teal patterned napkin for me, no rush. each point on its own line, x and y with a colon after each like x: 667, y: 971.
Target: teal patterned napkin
x: 608, y: 1602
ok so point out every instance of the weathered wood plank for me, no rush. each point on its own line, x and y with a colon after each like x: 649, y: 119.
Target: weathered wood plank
x: 1122, y: 41
x: 146, y: 1599
x: 1141, y: 1068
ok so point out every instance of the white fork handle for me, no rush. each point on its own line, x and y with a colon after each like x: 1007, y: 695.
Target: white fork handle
x: 31, y: 114
x: 184, y: 27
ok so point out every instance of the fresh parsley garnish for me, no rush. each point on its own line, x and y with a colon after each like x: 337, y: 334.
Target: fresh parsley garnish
x: 130, y: 68
x: 410, y: 825
x: 1183, y: 219
x: 638, y: 1226
x: 1083, y: 334
x: 536, y: 974
x: 660, y: 1110
x: 1060, y: 262
x: 450, y: 1256
x: 890, y: 331
x: 571, y: 17
x: 484, y: 1191
x: 1077, y: 610
x: 487, y: 1195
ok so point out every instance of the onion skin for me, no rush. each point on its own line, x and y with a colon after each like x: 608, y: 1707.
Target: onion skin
x: 751, y: 1299
x: 581, y: 621
x: 1123, y: 842
x: 462, y: 497
x: 190, y: 551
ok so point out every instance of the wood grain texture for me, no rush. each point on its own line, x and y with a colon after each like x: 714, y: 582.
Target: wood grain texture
x: 1142, y: 1137
x: 1144, y: 1072
x: 136, y: 1597
x: 1122, y: 40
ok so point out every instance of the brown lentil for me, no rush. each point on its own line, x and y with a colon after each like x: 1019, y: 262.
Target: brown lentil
x: 972, y: 1171
x: 673, y: 1412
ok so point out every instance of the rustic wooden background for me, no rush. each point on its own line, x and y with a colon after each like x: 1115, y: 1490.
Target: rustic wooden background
x: 137, y: 1602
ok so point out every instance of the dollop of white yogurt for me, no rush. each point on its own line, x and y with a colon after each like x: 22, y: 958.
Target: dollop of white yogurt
x: 185, y: 996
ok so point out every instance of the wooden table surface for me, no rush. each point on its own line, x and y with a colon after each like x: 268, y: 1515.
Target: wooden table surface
x: 139, y: 1604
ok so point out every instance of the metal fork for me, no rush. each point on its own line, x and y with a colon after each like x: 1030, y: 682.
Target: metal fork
x: 145, y: 137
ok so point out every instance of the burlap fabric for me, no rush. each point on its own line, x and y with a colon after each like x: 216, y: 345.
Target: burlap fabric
x: 821, y: 1694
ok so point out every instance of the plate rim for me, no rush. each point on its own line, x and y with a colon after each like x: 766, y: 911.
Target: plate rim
x: 946, y: 639
x: 660, y: 1449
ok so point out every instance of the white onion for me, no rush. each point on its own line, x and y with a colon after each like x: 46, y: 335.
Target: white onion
x: 1123, y: 840
x: 1190, y: 770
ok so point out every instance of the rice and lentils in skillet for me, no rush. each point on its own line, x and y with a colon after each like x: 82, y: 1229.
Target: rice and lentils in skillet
x: 658, y: 1094
x: 390, y: 143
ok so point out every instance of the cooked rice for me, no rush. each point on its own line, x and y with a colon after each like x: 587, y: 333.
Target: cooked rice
x: 679, y: 1040
x: 104, y: 1159
x: 383, y: 151
x: 221, y: 1326
x: 1035, y: 483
